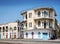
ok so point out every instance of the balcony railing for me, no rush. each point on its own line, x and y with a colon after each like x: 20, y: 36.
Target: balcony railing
x: 24, y: 19
x: 43, y: 17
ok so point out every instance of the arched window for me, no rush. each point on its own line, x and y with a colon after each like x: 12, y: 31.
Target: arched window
x: 26, y: 34
x: 0, y: 29
x: 15, y: 28
x: 3, y: 29
x: 45, y: 12
x: 6, y: 27
x: 38, y: 32
x: 39, y: 23
x: 32, y: 33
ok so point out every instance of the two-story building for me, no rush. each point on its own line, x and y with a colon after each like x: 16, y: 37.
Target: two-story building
x: 39, y: 23
x: 11, y: 30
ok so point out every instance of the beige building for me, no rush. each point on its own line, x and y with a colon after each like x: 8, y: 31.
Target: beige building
x: 9, y: 30
x: 39, y: 23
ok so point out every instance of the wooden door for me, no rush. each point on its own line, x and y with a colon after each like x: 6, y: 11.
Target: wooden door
x: 14, y: 35
x: 6, y: 35
x: 10, y: 35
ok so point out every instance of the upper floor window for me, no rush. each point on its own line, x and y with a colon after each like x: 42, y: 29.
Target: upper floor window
x: 30, y: 24
x: 6, y: 27
x: 10, y: 28
x: 6, y: 30
x: 39, y: 13
x: 39, y: 23
x: 0, y: 27
x: 26, y: 24
x: 3, y: 29
x: 44, y: 24
x: 26, y: 16
x: 47, y: 23
x: 45, y: 12
x: 30, y: 15
x: 15, y: 28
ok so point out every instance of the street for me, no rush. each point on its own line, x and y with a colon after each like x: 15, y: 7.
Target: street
x: 29, y: 41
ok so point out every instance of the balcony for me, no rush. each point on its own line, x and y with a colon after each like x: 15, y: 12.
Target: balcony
x: 24, y: 20
x: 43, y: 18
x: 42, y: 28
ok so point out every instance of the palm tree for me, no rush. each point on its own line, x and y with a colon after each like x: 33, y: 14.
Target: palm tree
x: 59, y: 34
x: 20, y: 27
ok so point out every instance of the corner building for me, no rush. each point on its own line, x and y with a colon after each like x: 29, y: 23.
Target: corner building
x: 39, y: 23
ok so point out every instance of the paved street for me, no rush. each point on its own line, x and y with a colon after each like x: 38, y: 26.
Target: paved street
x: 29, y: 41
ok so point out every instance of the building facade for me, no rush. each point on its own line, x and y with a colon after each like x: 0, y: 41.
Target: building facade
x: 39, y: 23
x: 10, y: 30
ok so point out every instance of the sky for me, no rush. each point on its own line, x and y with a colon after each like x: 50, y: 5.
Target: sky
x: 10, y: 10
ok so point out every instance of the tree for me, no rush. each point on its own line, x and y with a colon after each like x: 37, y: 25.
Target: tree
x: 59, y: 34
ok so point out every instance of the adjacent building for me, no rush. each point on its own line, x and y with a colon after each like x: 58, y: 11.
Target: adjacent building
x: 39, y: 23
x: 10, y: 30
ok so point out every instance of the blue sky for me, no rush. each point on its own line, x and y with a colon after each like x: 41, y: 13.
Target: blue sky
x: 10, y: 9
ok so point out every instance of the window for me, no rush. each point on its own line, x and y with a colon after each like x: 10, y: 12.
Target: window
x: 0, y: 27
x: 3, y: 29
x: 30, y: 15
x: 15, y: 28
x: 39, y: 23
x: 6, y: 30
x: 38, y: 13
x: 38, y: 32
x: 44, y: 24
x: 30, y: 24
x: 45, y: 13
x: 47, y: 23
x: 45, y: 33
x: 6, y: 27
x: 10, y: 28
x: 26, y: 34
x: 26, y: 16
x: 26, y: 25
x: 32, y: 34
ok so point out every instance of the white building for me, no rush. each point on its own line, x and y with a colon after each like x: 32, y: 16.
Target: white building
x: 39, y: 23
x: 9, y: 30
